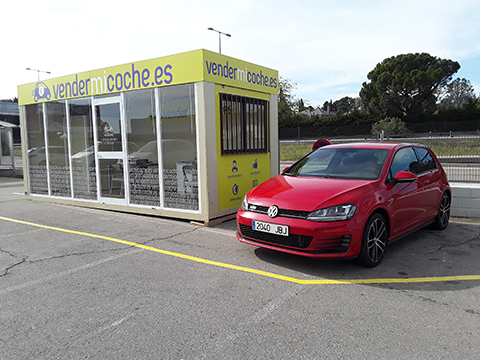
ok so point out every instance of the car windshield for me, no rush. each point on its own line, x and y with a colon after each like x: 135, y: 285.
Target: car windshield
x: 341, y: 163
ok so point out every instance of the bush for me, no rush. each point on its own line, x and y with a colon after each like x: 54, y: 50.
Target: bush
x: 390, y: 125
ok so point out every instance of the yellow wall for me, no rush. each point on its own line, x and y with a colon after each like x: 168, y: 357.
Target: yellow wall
x: 239, y: 173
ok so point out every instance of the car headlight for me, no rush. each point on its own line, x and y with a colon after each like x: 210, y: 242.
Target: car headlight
x: 333, y: 213
x: 244, y: 203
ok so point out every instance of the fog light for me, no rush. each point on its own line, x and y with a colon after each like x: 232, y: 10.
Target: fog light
x: 345, y: 242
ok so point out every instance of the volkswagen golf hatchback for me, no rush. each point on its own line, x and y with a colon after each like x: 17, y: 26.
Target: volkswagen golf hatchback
x: 347, y: 201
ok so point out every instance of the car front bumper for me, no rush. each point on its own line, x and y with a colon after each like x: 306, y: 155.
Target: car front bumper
x: 339, y: 239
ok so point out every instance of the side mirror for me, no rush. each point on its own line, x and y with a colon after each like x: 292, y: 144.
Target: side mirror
x: 404, y: 177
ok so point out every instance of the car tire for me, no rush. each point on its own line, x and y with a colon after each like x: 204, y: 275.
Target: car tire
x: 374, y: 241
x: 443, y: 215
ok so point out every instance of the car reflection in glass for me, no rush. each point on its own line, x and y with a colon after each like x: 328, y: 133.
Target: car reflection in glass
x: 174, y: 151
x: 86, y: 157
x: 57, y: 156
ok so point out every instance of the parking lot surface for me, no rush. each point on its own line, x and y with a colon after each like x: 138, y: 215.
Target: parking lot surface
x: 79, y: 283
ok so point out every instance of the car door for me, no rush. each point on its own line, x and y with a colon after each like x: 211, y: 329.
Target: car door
x: 406, y: 203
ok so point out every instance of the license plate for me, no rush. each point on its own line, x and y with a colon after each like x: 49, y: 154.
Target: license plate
x: 270, y: 228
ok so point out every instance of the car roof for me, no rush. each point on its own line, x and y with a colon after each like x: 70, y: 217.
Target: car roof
x: 371, y: 145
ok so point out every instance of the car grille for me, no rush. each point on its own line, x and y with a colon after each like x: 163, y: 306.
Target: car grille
x: 321, y: 246
x: 281, y: 212
x: 293, y: 240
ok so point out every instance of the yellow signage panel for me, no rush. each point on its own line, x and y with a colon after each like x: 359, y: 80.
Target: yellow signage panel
x: 237, y: 174
x: 189, y: 67
x: 224, y: 70
x: 146, y: 74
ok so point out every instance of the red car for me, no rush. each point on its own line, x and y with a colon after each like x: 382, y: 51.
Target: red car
x: 347, y: 201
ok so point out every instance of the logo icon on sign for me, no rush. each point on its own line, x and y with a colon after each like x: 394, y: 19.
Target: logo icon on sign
x: 234, y: 166
x: 235, y: 189
x: 41, y: 91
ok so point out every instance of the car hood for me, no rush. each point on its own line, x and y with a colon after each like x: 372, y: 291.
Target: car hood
x: 82, y: 154
x: 309, y: 193
x: 140, y: 155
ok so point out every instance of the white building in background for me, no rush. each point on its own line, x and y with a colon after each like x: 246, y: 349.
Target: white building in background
x: 311, y: 111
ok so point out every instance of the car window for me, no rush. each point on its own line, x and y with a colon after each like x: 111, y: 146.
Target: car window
x: 56, y: 150
x: 318, y: 161
x: 425, y: 160
x: 341, y: 163
x: 404, y: 160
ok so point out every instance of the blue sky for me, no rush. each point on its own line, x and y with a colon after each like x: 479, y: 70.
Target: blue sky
x: 326, y: 47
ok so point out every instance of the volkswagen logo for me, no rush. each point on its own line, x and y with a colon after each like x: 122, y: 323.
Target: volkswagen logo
x: 272, y: 211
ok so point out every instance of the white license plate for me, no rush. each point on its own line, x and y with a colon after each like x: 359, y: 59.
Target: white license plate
x: 270, y: 228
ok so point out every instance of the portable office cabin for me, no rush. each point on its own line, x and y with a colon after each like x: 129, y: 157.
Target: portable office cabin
x: 182, y: 136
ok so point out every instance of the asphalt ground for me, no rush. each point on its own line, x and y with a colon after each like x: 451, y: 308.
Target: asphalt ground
x: 79, y: 283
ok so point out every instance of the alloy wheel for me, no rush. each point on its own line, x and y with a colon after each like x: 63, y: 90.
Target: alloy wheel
x: 376, y: 240
x: 444, y: 211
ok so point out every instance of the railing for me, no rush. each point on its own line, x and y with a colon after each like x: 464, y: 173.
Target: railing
x: 459, y: 153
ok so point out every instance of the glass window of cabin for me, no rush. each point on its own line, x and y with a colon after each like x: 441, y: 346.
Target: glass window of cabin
x: 37, y: 161
x: 143, y: 173
x: 83, y: 149
x: 109, y: 127
x: 58, y: 154
x: 179, y: 146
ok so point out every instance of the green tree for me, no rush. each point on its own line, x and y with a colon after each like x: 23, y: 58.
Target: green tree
x: 390, y: 126
x: 14, y: 100
x: 406, y: 84
x: 458, y: 94
x: 301, y: 105
x: 286, y: 100
x: 358, y: 105
x: 327, y: 105
x: 344, y: 105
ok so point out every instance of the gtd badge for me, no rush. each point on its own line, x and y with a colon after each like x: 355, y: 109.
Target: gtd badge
x: 272, y: 211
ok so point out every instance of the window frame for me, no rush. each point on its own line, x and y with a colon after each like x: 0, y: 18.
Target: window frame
x: 415, y: 150
x: 243, y: 124
x: 425, y: 167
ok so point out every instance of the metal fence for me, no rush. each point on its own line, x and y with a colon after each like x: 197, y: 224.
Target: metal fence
x: 459, y: 153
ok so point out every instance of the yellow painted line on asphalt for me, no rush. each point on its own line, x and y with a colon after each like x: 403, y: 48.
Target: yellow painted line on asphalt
x: 250, y: 270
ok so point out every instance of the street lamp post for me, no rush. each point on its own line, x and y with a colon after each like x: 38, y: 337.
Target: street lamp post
x: 39, y: 71
x: 219, y: 38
